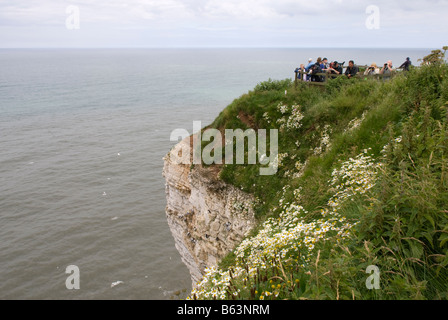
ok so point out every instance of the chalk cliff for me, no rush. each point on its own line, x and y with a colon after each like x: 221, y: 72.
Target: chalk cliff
x: 207, y: 217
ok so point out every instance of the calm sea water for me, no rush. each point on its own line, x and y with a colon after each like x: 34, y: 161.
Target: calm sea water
x: 83, y: 133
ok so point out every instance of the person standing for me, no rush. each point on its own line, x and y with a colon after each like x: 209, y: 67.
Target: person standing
x: 405, y: 66
x: 315, y: 72
x: 387, y: 70
x: 300, y: 72
x: 309, y: 65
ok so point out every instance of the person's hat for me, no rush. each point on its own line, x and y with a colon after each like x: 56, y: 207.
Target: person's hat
x: 310, y: 59
x: 335, y: 62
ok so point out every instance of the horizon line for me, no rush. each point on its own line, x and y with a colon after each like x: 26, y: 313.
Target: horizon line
x: 217, y: 47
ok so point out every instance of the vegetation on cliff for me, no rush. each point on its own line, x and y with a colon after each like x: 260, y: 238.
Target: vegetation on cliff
x: 362, y: 181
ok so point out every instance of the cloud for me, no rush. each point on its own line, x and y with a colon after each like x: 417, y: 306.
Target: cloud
x: 45, y: 11
x: 237, y: 22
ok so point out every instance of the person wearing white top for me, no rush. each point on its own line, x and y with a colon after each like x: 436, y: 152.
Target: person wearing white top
x: 373, y: 69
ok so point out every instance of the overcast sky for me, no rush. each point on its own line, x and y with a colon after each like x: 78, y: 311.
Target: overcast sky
x: 223, y: 23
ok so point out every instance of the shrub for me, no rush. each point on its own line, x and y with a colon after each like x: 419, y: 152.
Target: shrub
x: 275, y: 85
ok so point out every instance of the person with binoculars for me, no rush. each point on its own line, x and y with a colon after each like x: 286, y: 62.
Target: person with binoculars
x: 373, y: 69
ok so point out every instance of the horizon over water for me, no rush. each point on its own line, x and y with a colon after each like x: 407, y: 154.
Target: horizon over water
x: 83, y: 133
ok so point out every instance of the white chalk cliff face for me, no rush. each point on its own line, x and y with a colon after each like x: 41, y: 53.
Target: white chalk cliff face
x: 207, y: 217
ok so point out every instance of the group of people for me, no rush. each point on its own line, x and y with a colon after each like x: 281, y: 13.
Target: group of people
x: 313, y: 70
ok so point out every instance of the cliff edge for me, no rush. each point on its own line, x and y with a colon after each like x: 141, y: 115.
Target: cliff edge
x: 206, y: 216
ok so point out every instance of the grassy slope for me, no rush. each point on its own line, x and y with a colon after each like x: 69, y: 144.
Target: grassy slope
x: 401, y: 221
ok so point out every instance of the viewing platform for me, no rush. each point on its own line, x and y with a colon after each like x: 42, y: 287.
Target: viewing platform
x: 303, y: 76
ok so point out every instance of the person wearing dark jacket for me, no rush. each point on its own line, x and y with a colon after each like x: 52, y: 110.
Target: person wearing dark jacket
x: 405, y: 66
x: 314, y: 71
x: 334, y: 68
x: 351, y: 70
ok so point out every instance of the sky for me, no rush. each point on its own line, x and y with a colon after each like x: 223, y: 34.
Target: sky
x: 223, y: 23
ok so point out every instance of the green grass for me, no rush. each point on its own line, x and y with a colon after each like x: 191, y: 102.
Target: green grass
x: 402, y: 220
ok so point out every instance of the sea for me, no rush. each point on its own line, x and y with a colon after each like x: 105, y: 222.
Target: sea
x: 82, y: 137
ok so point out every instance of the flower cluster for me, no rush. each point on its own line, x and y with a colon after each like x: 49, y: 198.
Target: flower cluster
x: 277, y: 160
x: 355, y: 123
x: 299, y: 170
x: 292, y: 119
x: 300, y: 167
x: 324, y: 143
x: 355, y: 177
x: 282, y: 108
x: 290, y: 238
x: 266, y: 117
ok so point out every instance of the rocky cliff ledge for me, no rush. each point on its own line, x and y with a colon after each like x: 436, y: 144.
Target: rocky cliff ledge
x: 207, y: 217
